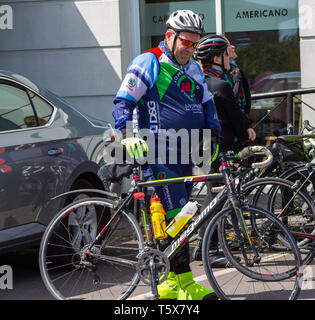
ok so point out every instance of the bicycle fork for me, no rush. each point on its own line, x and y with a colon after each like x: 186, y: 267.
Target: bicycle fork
x: 238, y: 219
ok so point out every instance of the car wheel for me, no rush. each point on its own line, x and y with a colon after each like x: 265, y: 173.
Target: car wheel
x: 82, y: 225
x: 87, y: 230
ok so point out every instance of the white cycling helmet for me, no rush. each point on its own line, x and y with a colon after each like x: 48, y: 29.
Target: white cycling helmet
x: 185, y: 20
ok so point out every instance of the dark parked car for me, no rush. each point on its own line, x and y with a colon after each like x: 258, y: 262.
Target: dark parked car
x: 277, y: 82
x: 279, y: 117
x: 47, y: 147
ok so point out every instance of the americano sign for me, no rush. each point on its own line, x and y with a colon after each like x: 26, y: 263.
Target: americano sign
x: 259, y: 15
x: 249, y: 14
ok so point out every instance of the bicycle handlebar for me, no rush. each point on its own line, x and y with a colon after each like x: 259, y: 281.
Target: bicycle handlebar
x: 252, y: 150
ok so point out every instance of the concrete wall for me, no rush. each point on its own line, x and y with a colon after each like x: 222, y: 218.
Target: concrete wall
x: 307, y: 49
x: 73, y: 48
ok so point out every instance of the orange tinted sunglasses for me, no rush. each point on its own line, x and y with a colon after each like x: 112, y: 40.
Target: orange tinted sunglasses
x: 188, y: 43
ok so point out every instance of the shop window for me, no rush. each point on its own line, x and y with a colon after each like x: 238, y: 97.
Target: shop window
x: 266, y: 36
x: 154, y: 14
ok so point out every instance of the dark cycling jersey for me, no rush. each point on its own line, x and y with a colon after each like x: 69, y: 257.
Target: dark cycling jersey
x: 232, y: 119
x: 240, y: 86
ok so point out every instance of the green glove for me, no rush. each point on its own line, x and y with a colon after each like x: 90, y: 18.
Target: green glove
x: 135, y: 147
x: 214, y: 149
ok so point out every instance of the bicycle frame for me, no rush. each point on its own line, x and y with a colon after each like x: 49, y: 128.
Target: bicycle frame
x: 228, y: 193
x: 192, y: 179
x: 297, y: 235
x: 212, y: 208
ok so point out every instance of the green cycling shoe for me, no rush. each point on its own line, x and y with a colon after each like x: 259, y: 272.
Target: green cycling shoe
x: 183, y: 287
x: 189, y: 289
x: 168, y: 289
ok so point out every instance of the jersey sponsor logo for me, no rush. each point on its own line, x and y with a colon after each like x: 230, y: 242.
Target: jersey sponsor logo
x: 131, y: 84
x: 194, y: 107
x: 153, y: 115
x: 187, y: 85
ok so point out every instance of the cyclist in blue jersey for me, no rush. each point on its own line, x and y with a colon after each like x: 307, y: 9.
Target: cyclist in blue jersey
x: 168, y: 91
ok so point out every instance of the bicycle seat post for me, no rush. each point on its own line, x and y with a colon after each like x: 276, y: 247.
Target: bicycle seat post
x: 140, y: 196
x: 135, y: 175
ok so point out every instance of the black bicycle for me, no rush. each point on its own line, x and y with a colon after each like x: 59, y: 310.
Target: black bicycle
x: 283, y: 188
x: 292, y: 157
x: 122, y: 254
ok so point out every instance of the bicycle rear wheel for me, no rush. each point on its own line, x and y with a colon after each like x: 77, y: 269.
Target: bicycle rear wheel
x: 272, y: 276
x: 105, y: 272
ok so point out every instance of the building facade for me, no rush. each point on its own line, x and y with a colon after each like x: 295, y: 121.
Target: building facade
x: 80, y: 49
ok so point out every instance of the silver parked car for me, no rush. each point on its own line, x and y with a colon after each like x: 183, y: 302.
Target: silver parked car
x: 47, y: 147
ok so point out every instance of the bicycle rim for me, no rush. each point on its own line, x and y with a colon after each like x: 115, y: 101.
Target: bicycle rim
x: 300, y: 172
x: 275, y: 277
x: 107, y: 271
x: 294, y: 209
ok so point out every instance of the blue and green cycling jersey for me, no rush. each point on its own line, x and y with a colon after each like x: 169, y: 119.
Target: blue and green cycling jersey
x: 166, y: 95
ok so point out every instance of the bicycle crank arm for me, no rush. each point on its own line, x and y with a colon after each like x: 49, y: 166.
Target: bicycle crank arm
x: 154, y: 280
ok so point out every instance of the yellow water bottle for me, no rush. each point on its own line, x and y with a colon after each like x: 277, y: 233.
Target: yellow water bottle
x: 158, y: 218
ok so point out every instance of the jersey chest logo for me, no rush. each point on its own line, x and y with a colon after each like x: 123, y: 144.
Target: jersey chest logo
x: 186, y: 84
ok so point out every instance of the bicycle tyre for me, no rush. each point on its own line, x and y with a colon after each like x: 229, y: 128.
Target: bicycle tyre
x: 298, y: 218
x: 114, y: 259
x: 256, y: 282
x: 300, y: 172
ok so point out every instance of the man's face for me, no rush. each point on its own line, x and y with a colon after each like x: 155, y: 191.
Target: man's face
x: 182, y: 52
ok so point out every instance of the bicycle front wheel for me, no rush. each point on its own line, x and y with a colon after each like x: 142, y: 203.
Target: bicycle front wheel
x: 70, y: 269
x: 293, y: 207
x: 256, y: 272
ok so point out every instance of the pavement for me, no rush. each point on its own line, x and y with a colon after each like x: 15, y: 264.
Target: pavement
x: 28, y: 285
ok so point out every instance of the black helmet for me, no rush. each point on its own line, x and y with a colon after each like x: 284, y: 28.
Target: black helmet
x: 185, y: 20
x: 210, y: 45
